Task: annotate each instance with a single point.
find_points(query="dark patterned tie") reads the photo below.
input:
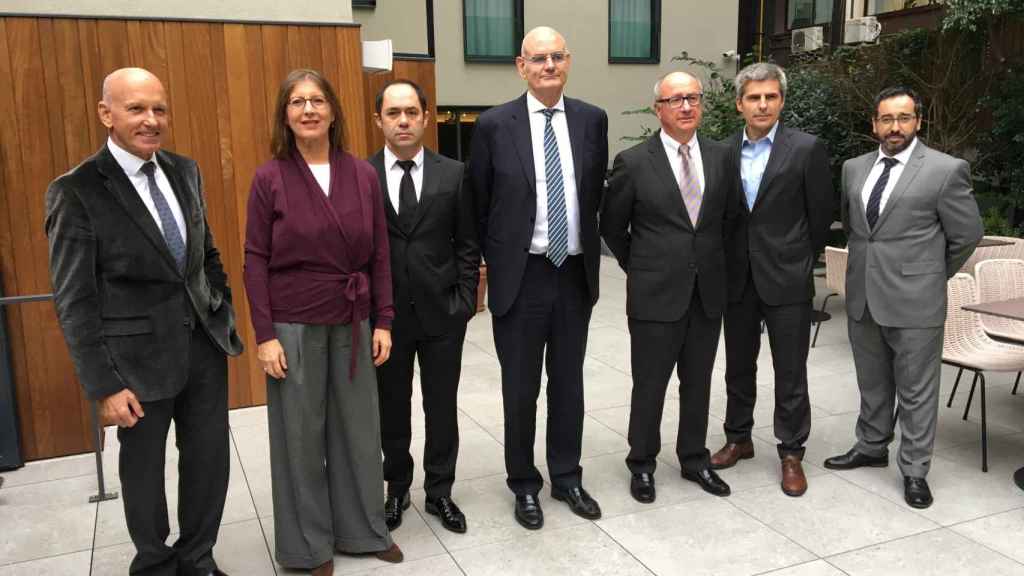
(876, 193)
(558, 225)
(172, 235)
(406, 195)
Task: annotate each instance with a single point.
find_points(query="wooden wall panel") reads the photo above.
(222, 81)
(419, 71)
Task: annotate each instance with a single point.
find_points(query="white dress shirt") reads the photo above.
(676, 162)
(539, 243)
(322, 174)
(894, 175)
(132, 166)
(395, 173)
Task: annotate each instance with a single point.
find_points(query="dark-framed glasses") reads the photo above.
(677, 101)
(903, 119)
(299, 102)
(541, 59)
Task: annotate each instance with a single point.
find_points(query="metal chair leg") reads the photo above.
(1015, 384)
(955, 384)
(970, 397)
(818, 327)
(984, 428)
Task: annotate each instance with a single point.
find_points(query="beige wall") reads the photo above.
(335, 11)
(704, 29)
(403, 21)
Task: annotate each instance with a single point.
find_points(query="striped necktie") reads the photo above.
(558, 225)
(875, 200)
(689, 185)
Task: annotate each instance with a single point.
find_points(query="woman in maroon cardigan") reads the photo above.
(317, 275)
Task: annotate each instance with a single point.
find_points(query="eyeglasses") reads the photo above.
(299, 103)
(903, 119)
(677, 101)
(541, 59)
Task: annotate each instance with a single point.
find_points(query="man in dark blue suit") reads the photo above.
(537, 170)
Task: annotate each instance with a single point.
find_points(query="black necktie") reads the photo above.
(876, 193)
(406, 195)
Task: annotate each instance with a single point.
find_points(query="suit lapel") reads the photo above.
(120, 186)
(519, 128)
(661, 167)
(906, 178)
(382, 176)
(431, 182)
(710, 176)
(857, 190)
(577, 132)
(779, 154)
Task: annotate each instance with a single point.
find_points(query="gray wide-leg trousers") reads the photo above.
(325, 454)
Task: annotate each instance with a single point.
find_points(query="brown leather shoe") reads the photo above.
(325, 569)
(732, 453)
(393, 554)
(794, 483)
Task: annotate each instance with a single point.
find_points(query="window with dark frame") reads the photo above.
(364, 3)
(492, 30)
(634, 31)
(804, 13)
(873, 7)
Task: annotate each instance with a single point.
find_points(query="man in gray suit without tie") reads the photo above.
(911, 222)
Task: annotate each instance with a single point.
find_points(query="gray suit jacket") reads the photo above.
(927, 230)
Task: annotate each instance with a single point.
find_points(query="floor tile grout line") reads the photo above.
(979, 542)
(882, 543)
(623, 547)
(773, 529)
(27, 560)
(252, 498)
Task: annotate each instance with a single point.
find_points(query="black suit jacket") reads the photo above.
(126, 311)
(501, 173)
(645, 224)
(436, 264)
(780, 238)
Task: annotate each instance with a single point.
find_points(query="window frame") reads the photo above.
(371, 4)
(655, 57)
(517, 31)
(789, 25)
(930, 4)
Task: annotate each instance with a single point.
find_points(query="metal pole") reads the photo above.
(102, 493)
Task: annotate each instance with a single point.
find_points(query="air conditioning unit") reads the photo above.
(807, 39)
(859, 30)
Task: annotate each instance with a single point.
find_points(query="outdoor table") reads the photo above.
(1014, 310)
(989, 242)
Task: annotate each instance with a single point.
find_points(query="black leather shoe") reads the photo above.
(528, 512)
(642, 487)
(854, 459)
(393, 507)
(451, 517)
(708, 480)
(579, 502)
(916, 492)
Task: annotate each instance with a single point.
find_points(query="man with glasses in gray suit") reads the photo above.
(911, 221)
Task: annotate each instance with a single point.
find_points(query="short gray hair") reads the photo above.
(759, 72)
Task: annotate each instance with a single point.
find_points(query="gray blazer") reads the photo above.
(927, 230)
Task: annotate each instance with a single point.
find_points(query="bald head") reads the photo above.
(677, 76)
(544, 63)
(134, 110)
(678, 104)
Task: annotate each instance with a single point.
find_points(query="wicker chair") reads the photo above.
(967, 347)
(835, 280)
(1001, 279)
(1015, 249)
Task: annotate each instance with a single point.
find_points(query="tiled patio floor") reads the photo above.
(848, 522)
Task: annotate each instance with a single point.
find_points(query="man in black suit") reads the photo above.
(537, 170)
(435, 268)
(671, 204)
(788, 194)
(144, 304)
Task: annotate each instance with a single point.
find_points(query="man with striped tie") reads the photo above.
(671, 208)
(536, 171)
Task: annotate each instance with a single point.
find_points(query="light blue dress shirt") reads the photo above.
(753, 159)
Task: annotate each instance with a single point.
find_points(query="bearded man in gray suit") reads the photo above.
(911, 221)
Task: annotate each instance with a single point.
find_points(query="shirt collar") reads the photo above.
(130, 163)
(903, 157)
(534, 105)
(770, 137)
(390, 158)
(674, 144)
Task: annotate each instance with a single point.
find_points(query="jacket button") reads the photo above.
(693, 266)
(526, 249)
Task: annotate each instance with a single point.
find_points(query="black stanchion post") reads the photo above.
(101, 493)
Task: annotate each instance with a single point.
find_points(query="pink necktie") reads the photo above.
(689, 186)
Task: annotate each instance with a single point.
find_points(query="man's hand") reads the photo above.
(122, 409)
(381, 346)
(271, 356)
